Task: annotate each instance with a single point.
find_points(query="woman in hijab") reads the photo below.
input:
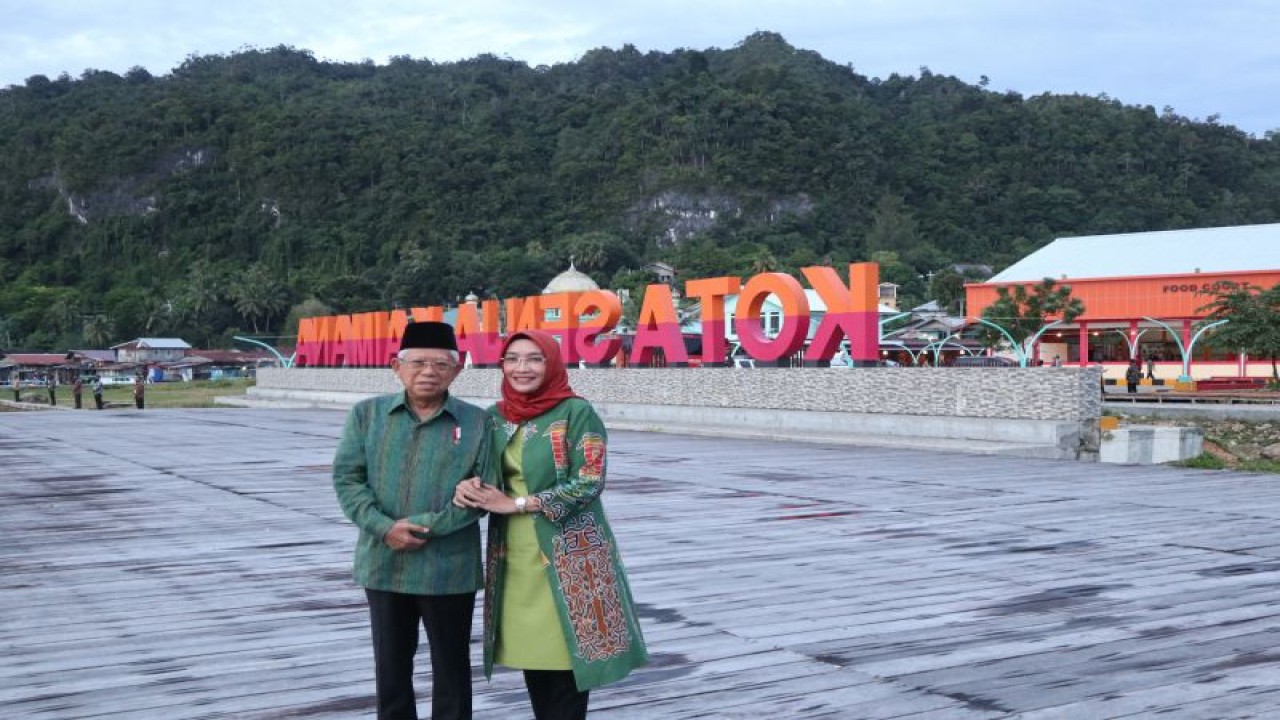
(557, 604)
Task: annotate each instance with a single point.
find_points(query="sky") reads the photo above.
(1201, 58)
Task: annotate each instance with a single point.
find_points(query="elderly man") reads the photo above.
(418, 555)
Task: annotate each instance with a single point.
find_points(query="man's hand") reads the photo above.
(401, 536)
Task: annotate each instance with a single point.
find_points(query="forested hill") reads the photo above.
(212, 200)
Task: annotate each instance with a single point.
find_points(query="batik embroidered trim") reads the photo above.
(556, 431)
(584, 565)
(592, 447)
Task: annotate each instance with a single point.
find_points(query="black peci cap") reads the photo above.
(437, 335)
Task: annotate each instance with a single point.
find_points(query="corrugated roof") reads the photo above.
(1241, 248)
(99, 355)
(232, 356)
(156, 344)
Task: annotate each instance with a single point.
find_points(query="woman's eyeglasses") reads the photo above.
(515, 361)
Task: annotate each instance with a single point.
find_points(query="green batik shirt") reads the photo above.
(391, 465)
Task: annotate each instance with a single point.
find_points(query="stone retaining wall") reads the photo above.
(886, 401)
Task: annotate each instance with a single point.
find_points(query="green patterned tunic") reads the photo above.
(389, 465)
(563, 464)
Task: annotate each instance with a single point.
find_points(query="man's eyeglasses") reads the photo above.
(440, 366)
(514, 361)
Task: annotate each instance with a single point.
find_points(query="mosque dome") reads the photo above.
(571, 280)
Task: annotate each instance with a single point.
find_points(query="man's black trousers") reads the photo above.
(394, 619)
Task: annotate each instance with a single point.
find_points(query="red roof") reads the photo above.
(42, 359)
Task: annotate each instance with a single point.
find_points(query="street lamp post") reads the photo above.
(1020, 350)
(1186, 351)
(284, 362)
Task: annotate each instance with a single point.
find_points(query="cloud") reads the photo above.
(1200, 58)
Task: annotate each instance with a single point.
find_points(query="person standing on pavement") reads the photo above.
(395, 471)
(139, 392)
(77, 391)
(97, 392)
(557, 602)
(1133, 375)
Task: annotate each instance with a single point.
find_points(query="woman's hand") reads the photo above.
(464, 495)
(472, 493)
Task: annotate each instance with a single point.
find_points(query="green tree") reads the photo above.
(172, 185)
(947, 287)
(310, 307)
(1253, 316)
(63, 313)
(99, 331)
(893, 228)
(762, 261)
(258, 295)
(1023, 313)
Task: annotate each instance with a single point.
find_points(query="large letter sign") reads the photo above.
(795, 316)
(658, 329)
(710, 293)
(585, 323)
(852, 312)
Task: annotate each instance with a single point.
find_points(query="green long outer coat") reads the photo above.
(564, 467)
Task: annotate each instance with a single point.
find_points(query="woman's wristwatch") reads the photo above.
(522, 505)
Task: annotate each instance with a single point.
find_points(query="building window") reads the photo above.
(772, 323)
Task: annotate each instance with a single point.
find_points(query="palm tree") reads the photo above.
(763, 261)
(98, 330)
(257, 294)
(63, 313)
(202, 292)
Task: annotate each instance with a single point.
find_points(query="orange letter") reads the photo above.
(711, 292)
(795, 316)
(658, 328)
(602, 310)
(565, 322)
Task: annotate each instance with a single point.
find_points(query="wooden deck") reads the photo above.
(193, 564)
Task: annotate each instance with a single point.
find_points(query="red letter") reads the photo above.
(795, 316)
(602, 310)
(658, 328)
(711, 292)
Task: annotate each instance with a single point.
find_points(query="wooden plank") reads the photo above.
(211, 578)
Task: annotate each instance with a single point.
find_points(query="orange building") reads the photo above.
(1144, 295)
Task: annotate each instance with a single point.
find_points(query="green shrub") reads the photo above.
(1266, 466)
(1203, 461)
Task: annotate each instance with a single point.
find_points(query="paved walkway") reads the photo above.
(193, 564)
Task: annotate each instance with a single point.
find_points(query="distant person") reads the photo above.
(77, 391)
(17, 388)
(1133, 375)
(395, 471)
(1057, 361)
(139, 392)
(52, 389)
(97, 392)
(1151, 368)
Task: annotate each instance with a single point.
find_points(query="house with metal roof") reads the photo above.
(1145, 295)
(151, 350)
